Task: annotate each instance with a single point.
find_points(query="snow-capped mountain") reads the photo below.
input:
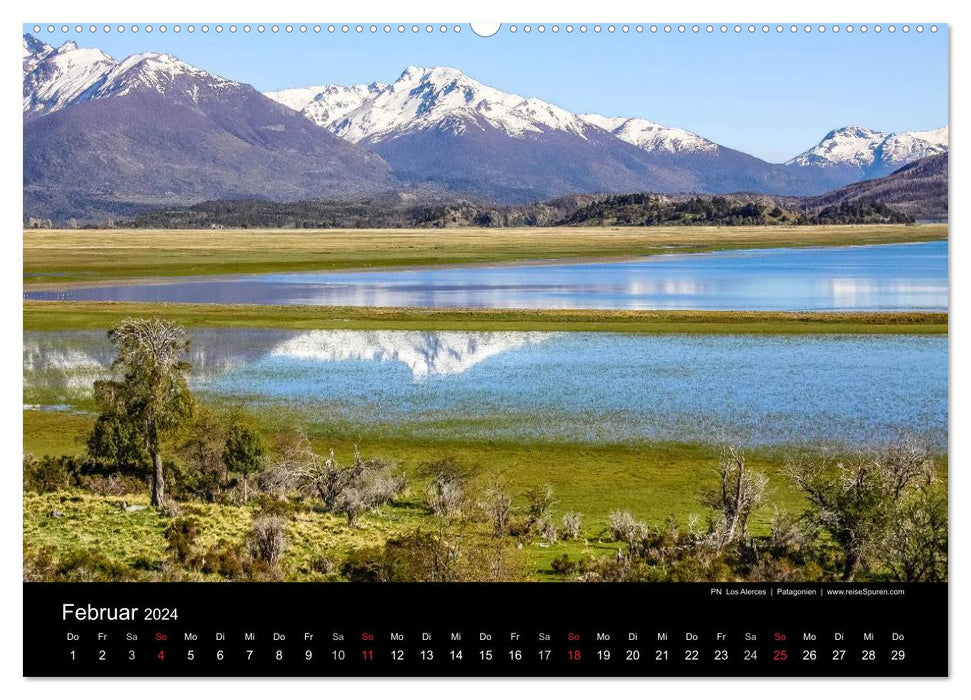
(872, 153)
(104, 136)
(423, 98)
(442, 126)
(651, 136)
(448, 101)
(438, 125)
(54, 78)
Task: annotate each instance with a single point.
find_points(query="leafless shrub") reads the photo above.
(365, 485)
(446, 492)
(323, 564)
(445, 498)
(539, 500)
(350, 489)
(277, 481)
(268, 539)
(547, 529)
(497, 506)
(283, 478)
(625, 528)
(572, 522)
(905, 461)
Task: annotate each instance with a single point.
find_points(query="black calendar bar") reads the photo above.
(556, 629)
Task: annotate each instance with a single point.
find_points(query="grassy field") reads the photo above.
(136, 540)
(57, 256)
(57, 315)
(652, 480)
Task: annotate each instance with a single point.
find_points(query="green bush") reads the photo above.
(181, 536)
(48, 474)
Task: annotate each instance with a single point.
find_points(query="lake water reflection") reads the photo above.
(564, 386)
(882, 277)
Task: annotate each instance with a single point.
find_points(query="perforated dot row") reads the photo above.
(723, 28)
(259, 28)
(513, 28)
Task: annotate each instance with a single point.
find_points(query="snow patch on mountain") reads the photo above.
(34, 50)
(335, 102)
(296, 98)
(651, 136)
(326, 104)
(158, 71)
(909, 146)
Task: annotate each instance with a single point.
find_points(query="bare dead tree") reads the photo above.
(446, 493)
(497, 506)
(904, 462)
(626, 528)
(739, 493)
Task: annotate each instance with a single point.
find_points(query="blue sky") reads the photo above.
(771, 95)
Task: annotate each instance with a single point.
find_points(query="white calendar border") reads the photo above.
(279, 11)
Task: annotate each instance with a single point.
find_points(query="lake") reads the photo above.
(857, 278)
(603, 387)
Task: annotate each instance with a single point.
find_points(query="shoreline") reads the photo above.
(411, 249)
(499, 264)
(190, 279)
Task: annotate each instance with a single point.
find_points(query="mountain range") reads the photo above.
(104, 137)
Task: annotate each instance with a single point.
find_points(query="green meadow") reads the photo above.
(64, 316)
(654, 481)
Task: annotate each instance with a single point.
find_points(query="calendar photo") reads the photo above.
(543, 304)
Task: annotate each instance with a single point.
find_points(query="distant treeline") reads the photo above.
(643, 209)
(654, 210)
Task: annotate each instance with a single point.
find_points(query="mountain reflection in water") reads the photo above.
(599, 387)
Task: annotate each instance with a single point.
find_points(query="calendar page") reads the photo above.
(538, 349)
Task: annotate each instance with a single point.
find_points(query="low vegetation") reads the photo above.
(66, 316)
(235, 508)
(881, 516)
